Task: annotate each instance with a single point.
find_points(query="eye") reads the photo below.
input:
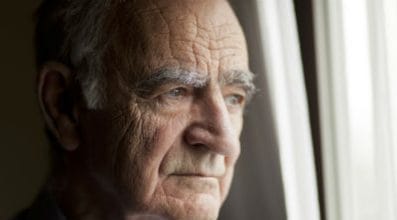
(176, 92)
(174, 98)
(174, 95)
(234, 100)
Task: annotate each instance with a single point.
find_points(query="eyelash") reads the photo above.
(174, 95)
(235, 100)
(177, 92)
(232, 100)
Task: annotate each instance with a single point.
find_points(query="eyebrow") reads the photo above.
(171, 76)
(185, 77)
(240, 77)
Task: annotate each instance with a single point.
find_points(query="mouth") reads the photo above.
(203, 184)
(196, 175)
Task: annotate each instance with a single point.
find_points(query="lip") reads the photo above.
(196, 183)
(197, 175)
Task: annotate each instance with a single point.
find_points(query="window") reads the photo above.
(356, 48)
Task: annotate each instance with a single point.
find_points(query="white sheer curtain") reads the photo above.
(285, 79)
(275, 178)
(357, 57)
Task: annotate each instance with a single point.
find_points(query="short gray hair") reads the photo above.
(73, 32)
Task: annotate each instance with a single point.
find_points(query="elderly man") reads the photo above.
(143, 103)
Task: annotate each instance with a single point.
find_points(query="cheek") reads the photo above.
(237, 123)
(226, 182)
(146, 158)
(128, 151)
(169, 138)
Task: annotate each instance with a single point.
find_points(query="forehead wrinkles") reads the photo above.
(186, 20)
(184, 33)
(198, 38)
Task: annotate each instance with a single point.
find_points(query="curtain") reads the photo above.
(356, 53)
(275, 177)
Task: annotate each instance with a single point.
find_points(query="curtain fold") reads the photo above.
(275, 177)
(284, 73)
(357, 53)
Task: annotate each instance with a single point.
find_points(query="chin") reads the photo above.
(192, 206)
(202, 208)
(197, 198)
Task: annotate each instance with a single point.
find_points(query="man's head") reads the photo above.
(145, 99)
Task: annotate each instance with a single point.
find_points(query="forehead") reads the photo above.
(203, 36)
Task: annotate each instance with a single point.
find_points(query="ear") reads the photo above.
(59, 104)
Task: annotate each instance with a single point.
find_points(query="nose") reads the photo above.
(212, 127)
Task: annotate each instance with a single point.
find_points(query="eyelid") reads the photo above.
(236, 95)
(172, 86)
(248, 89)
(170, 94)
(184, 90)
(239, 89)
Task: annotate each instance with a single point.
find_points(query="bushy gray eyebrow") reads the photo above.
(171, 76)
(245, 79)
(165, 76)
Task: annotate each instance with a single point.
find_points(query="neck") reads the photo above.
(83, 195)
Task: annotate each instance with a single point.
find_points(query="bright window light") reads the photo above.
(357, 57)
(289, 104)
(359, 107)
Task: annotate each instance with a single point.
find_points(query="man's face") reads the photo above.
(168, 138)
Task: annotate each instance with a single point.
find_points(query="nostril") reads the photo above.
(197, 145)
(196, 135)
(200, 147)
(201, 137)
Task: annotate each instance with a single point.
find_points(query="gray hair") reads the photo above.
(73, 32)
(78, 33)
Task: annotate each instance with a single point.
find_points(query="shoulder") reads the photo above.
(23, 215)
(43, 208)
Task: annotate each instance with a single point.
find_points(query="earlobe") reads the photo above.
(58, 104)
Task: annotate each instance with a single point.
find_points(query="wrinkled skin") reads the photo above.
(170, 152)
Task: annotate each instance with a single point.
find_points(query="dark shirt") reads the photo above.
(43, 208)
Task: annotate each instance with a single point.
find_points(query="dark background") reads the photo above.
(23, 154)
